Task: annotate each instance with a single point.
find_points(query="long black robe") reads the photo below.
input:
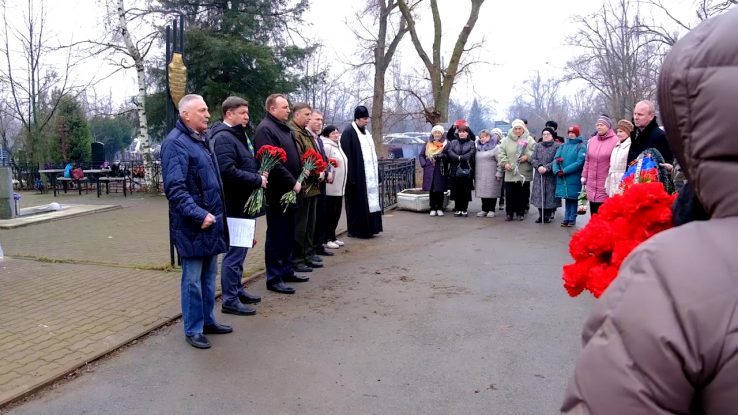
(361, 222)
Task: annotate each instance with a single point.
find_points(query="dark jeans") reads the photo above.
(231, 272)
(488, 204)
(570, 210)
(198, 293)
(516, 197)
(594, 207)
(333, 206)
(502, 197)
(436, 200)
(304, 230)
(280, 236)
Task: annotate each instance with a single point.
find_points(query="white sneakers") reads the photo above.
(433, 213)
(439, 212)
(481, 214)
(339, 243)
(436, 213)
(491, 214)
(332, 245)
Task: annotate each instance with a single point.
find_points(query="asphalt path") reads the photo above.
(435, 316)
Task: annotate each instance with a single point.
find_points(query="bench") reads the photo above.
(66, 181)
(107, 181)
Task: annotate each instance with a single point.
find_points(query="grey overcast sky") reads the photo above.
(521, 37)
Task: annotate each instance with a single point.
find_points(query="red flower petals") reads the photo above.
(623, 222)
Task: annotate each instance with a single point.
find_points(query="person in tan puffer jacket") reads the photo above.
(663, 339)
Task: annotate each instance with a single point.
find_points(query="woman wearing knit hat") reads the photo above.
(435, 169)
(515, 152)
(568, 170)
(619, 158)
(597, 162)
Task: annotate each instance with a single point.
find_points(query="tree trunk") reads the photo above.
(140, 100)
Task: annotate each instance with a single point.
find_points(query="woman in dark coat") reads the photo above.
(461, 160)
(435, 169)
(544, 181)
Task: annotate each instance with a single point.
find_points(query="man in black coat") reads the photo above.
(647, 133)
(239, 171)
(274, 131)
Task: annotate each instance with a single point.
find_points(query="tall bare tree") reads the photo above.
(381, 40)
(703, 10)
(619, 60)
(442, 77)
(29, 77)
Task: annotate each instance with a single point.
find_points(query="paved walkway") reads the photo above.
(75, 289)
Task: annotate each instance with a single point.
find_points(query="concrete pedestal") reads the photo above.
(7, 204)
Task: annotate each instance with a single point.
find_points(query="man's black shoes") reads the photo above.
(323, 252)
(302, 268)
(295, 278)
(217, 328)
(198, 341)
(312, 264)
(238, 309)
(247, 298)
(281, 288)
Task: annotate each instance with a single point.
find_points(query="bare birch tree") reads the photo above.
(442, 77)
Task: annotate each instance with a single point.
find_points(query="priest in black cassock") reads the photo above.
(363, 212)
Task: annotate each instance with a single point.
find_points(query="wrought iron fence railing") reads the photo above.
(395, 175)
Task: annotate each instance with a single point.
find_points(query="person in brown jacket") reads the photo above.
(663, 339)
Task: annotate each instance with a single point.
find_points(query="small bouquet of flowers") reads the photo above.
(622, 223)
(519, 151)
(268, 156)
(312, 164)
(333, 162)
(582, 202)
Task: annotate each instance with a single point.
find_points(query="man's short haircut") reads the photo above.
(272, 100)
(231, 103)
(650, 105)
(316, 111)
(301, 106)
(184, 103)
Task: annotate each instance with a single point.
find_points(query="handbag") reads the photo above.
(463, 172)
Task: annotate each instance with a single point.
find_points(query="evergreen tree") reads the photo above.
(116, 133)
(70, 136)
(242, 47)
(478, 117)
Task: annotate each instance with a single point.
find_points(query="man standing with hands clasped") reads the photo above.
(239, 171)
(196, 217)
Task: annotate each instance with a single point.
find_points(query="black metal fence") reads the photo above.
(395, 175)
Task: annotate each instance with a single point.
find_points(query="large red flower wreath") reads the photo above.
(622, 223)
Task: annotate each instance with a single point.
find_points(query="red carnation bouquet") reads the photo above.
(268, 156)
(333, 162)
(312, 164)
(621, 224)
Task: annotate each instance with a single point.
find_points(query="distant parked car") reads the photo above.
(403, 145)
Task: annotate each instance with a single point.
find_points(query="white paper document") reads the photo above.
(241, 232)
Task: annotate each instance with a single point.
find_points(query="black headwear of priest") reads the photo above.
(361, 112)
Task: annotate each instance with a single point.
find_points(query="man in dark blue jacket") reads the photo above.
(239, 171)
(274, 131)
(197, 222)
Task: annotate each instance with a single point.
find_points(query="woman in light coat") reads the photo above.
(597, 162)
(619, 158)
(337, 186)
(487, 172)
(515, 152)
